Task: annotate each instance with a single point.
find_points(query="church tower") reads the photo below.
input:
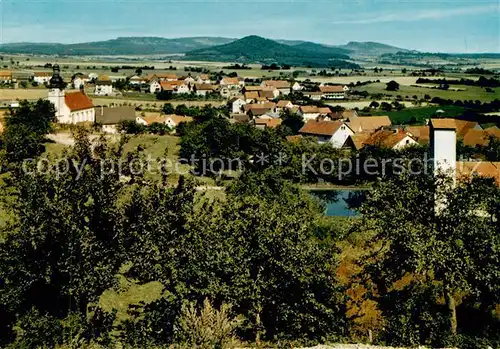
(56, 91)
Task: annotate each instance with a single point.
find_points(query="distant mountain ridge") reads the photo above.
(118, 46)
(256, 49)
(159, 45)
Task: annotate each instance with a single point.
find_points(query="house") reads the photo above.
(103, 88)
(155, 86)
(189, 80)
(266, 123)
(6, 76)
(203, 89)
(203, 79)
(284, 104)
(237, 105)
(162, 77)
(252, 89)
(174, 120)
(269, 93)
(79, 80)
(260, 109)
(181, 88)
(392, 139)
(296, 86)
(348, 113)
(251, 96)
(230, 83)
(137, 80)
(422, 134)
(311, 112)
(239, 118)
(334, 132)
(334, 92)
(315, 96)
(42, 77)
(109, 118)
(174, 86)
(148, 118)
(368, 123)
(71, 108)
(281, 85)
(443, 134)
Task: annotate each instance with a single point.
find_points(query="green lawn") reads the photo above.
(420, 114)
(469, 93)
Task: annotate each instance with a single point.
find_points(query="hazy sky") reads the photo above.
(430, 25)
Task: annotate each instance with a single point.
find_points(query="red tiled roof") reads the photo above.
(386, 138)
(323, 128)
(78, 101)
(482, 168)
(421, 133)
(277, 83)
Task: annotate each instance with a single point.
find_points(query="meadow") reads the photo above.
(465, 93)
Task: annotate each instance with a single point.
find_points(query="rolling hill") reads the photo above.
(370, 48)
(118, 46)
(255, 49)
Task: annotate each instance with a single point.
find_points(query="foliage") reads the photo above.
(423, 256)
(392, 86)
(25, 130)
(207, 328)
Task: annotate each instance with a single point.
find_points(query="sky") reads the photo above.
(424, 25)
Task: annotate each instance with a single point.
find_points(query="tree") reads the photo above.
(385, 106)
(374, 105)
(26, 128)
(63, 249)
(448, 250)
(293, 121)
(168, 108)
(138, 71)
(392, 86)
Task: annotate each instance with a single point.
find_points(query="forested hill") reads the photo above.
(118, 46)
(255, 49)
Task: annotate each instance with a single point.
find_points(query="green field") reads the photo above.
(469, 93)
(404, 116)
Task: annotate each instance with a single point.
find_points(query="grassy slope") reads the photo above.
(404, 116)
(469, 93)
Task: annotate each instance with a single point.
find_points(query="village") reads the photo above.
(261, 105)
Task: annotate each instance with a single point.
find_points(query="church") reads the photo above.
(71, 107)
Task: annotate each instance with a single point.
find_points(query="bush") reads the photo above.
(207, 328)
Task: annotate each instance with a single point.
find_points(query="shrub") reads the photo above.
(207, 328)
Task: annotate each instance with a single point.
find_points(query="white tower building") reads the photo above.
(444, 146)
(56, 91)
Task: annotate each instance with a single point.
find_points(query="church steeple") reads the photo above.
(56, 81)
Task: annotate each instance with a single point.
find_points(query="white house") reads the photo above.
(395, 139)
(203, 89)
(174, 120)
(80, 80)
(334, 132)
(183, 88)
(71, 108)
(283, 104)
(42, 77)
(154, 86)
(203, 79)
(189, 80)
(237, 105)
(103, 88)
(311, 112)
(231, 83)
(137, 80)
(281, 85)
(334, 92)
(296, 86)
(315, 96)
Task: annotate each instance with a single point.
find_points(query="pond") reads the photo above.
(340, 202)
